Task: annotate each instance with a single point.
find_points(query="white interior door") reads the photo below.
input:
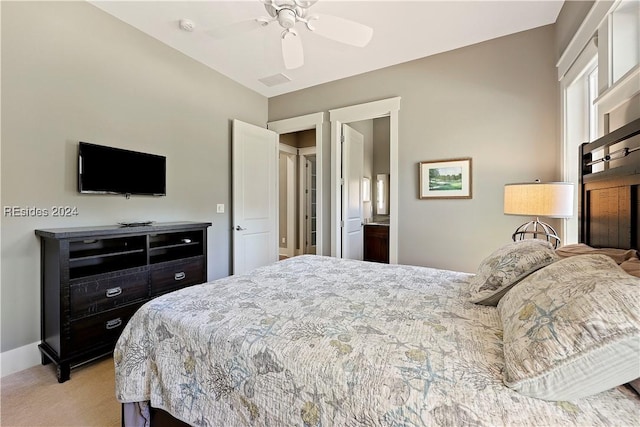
(352, 173)
(254, 196)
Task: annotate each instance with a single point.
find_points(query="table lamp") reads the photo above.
(539, 199)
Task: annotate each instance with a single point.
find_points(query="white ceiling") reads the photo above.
(403, 31)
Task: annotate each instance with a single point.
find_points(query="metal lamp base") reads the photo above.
(538, 230)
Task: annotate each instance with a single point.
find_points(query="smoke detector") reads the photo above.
(187, 25)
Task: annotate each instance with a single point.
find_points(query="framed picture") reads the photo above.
(445, 179)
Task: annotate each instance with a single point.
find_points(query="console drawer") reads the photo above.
(169, 276)
(106, 292)
(101, 329)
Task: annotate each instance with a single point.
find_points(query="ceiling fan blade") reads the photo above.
(292, 53)
(341, 30)
(305, 3)
(235, 29)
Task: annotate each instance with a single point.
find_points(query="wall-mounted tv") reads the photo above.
(109, 170)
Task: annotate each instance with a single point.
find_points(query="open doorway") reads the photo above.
(384, 108)
(365, 170)
(301, 144)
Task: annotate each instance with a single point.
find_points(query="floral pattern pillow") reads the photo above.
(505, 267)
(572, 329)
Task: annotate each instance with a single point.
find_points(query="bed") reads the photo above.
(321, 341)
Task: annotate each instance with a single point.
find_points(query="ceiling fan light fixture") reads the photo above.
(287, 18)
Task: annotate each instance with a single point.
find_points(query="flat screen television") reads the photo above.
(109, 170)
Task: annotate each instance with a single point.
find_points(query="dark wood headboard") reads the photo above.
(609, 201)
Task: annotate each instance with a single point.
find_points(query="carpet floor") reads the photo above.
(34, 397)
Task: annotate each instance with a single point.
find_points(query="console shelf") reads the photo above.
(105, 255)
(177, 245)
(95, 278)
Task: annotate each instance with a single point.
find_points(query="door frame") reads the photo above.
(303, 153)
(291, 153)
(389, 107)
(297, 124)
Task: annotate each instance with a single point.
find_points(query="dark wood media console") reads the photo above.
(93, 279)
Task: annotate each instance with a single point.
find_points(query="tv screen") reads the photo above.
(109, 170)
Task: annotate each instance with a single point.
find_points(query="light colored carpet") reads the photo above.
(34, 397)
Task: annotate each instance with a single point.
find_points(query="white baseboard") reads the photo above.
(19, 359)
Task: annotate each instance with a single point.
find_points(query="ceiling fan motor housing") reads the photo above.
(288, 12)
(287, 18)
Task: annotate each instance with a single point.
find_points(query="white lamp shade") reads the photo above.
(547, 199)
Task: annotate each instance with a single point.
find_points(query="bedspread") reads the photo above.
(320, 341)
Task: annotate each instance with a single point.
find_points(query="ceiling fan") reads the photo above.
(287, 13)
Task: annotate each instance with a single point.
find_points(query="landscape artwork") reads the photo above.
(445, 179)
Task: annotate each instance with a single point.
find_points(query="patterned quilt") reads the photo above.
(320, 341)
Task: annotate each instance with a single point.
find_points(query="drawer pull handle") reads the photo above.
(179, 276)
(113, 292)
(114, 323)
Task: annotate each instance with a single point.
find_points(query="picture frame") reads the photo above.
(446, 179)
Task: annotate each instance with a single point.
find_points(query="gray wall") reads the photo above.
(496, 102)
(381, 141)
(70, 72)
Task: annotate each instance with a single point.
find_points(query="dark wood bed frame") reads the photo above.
(609, 204)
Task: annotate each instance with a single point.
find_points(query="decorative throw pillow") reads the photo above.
(572, 329)
(618, 255)
(507, 266)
